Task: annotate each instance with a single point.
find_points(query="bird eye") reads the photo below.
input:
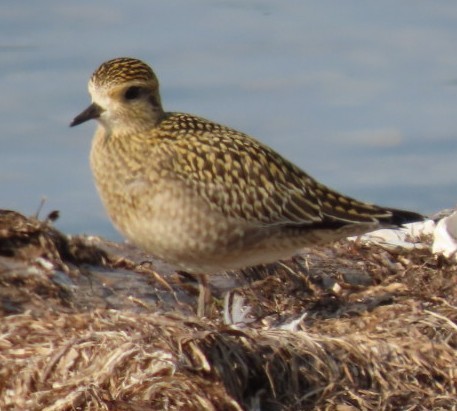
(132, 93)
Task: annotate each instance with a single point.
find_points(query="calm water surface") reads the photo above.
(362, 95)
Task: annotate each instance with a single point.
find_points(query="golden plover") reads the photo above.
(202, 196)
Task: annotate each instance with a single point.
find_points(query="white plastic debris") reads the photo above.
(445, 237)
(407, 237)
(293, 325)
(235, 311)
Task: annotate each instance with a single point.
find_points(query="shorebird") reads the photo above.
(202, 196)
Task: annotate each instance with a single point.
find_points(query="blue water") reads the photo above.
(362, 95)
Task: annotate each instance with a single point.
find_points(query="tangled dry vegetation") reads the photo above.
(89, 325)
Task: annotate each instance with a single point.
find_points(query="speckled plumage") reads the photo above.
(203, 196)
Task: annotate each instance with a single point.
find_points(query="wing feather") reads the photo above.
(247, 180)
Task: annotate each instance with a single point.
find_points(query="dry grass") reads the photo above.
(380, 331)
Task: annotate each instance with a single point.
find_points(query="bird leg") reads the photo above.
(204, 295)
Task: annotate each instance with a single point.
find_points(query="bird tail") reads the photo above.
(401, 217)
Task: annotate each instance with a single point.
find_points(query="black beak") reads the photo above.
(91, 112)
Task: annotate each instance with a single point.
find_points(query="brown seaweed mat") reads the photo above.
(92, 325)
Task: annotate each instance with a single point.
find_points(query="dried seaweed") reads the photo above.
(88, 326)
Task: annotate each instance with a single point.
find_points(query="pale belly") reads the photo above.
(180, 228)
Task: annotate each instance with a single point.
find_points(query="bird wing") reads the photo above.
(247, 180)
